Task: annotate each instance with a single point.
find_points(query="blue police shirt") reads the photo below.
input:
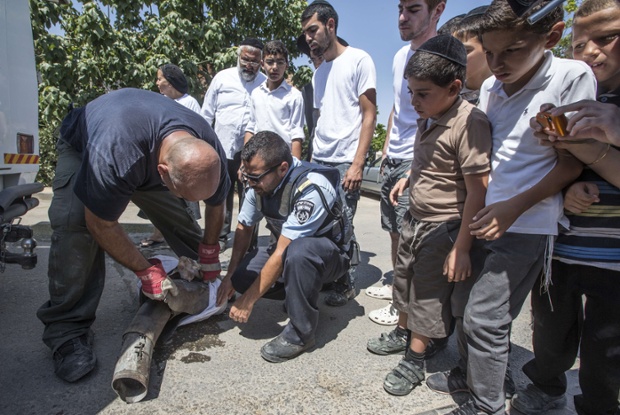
(308, 212)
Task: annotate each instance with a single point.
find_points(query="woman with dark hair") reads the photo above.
(172, 83)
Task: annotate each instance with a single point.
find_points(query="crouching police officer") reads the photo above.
(302, 208)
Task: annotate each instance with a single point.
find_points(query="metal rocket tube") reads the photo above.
(131, 374)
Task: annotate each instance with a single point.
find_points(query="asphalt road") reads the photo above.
(215, 366)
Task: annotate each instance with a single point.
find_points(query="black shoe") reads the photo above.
(509, 384)
(340, 295)
(468, 408)
(75, 358)
(455, 381)
(449, 382)
(279, 350)
(222, 245)
(434, 346)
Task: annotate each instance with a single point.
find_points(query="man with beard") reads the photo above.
(417, 22)
(345, 96)
(226, 107)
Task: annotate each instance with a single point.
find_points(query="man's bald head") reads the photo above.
(191, 166)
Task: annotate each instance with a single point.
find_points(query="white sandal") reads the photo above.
(383, 293)
(386, 316)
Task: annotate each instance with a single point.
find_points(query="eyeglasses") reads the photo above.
(257, 177)
(254, 65)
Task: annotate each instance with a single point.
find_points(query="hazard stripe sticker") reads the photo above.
(11, 158)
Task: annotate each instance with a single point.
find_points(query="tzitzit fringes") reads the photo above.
(546, 280)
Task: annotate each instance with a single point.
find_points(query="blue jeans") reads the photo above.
(392, 216)
(350, 199)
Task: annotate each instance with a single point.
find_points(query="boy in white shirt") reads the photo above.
(277, 106)
(523, 201)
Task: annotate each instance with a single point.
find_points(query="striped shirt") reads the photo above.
(594, 235)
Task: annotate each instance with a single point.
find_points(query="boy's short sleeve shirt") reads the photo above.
(280, 111)
(455, 145)
(404, 122)
(518, 160)
(338, 84)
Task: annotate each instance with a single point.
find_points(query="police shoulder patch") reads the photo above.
(303, 210)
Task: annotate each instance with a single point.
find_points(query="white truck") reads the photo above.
(19, 137)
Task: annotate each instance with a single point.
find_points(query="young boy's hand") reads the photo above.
(398, 190)
(493, 220)
(457, 266)
(580, 196)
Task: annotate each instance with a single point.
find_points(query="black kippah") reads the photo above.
(323, 2)
(478, 11)
(520, 6)
(250, 41)
(447, 47)
(174, 75)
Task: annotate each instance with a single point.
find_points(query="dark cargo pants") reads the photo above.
(308, 264)
(566, 327)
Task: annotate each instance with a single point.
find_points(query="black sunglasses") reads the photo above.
(257, 177)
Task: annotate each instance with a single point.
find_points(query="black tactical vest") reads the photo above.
(277, 207)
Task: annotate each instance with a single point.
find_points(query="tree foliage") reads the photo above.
(378, 140)
(111, 44)
(563, 48)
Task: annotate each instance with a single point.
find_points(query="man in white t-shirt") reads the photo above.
(345, 96)
(417, 22)
(226, 107)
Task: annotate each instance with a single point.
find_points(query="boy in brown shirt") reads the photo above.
(447, 181)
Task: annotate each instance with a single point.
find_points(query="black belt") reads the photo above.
(395, 162)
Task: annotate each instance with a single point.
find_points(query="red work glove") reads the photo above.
(155, 282)
(209, 259)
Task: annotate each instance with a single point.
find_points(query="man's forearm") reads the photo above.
(247, 136)
(214, 220)
(242, 239)
(112, 238)
(368, 129)
(368, 104)
(296, 146)
(270, 273)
